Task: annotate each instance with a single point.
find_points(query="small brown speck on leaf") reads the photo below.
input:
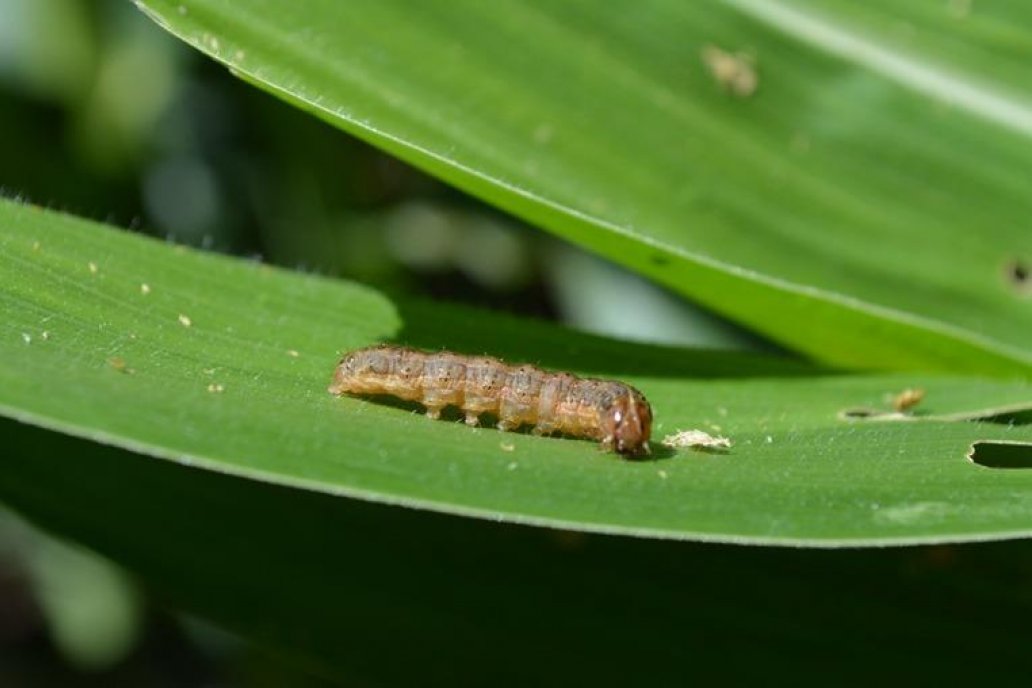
(734, 72)
(907, 399)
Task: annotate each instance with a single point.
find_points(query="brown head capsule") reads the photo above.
(615, 414)
(628, 421)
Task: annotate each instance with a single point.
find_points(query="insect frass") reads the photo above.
(614, 413)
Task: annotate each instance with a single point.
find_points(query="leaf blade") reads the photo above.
(864, 213)
(226, 394)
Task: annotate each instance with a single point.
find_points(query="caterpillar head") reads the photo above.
(627, 424)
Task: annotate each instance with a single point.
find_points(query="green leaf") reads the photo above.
(864, 205)
(346, 587)
(223, 364)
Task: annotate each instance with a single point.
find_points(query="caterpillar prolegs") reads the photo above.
(615, 414)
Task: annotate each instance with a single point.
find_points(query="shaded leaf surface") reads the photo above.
(348, 587)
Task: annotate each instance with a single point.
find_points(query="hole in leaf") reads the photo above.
(873, 414)
(901, 407)
(1001, 454)
(1019, 276)
(660, 259)
(859, 413)
(1016, 417)
(904, 402)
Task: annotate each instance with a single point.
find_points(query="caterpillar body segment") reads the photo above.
(614, 413)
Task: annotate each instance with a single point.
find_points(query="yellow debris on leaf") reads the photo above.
(696, 439)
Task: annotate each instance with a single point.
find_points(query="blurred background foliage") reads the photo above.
(150, 135)
(106, 116)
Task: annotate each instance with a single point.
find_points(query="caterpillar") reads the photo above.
(615, 414)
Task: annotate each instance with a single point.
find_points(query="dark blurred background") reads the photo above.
(105, 116)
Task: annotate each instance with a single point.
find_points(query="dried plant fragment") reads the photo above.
(695, 439)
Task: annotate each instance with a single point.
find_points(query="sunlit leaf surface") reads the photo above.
(223, 364)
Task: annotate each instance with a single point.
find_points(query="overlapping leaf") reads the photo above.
(863, 201)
